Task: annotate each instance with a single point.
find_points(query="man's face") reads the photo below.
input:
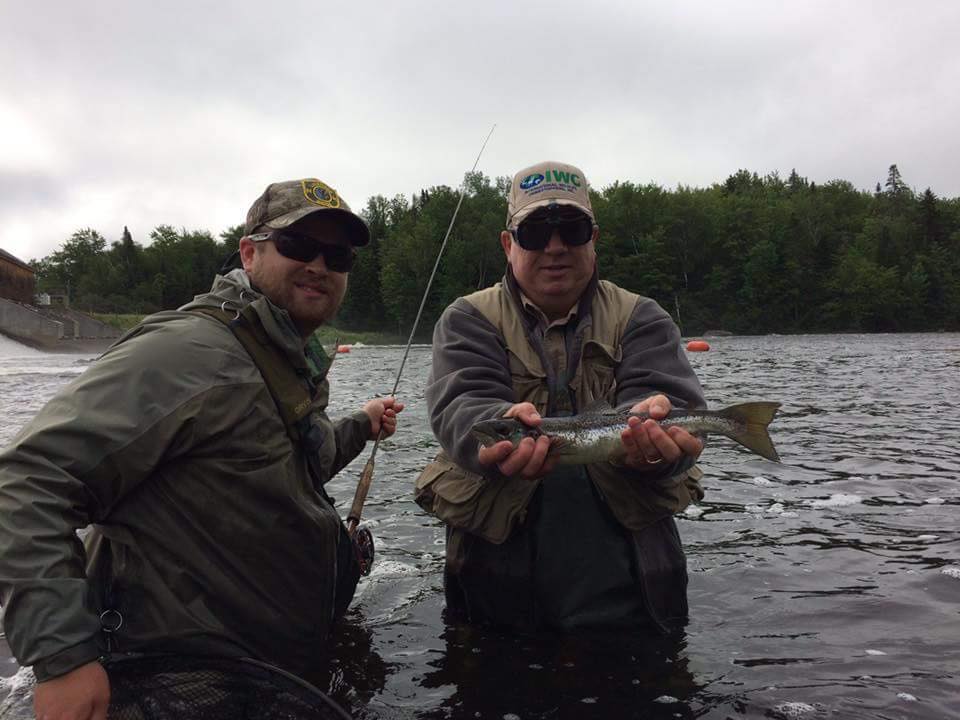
(309, 291)
(555, 277)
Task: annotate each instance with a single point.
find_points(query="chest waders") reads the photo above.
(295, 405)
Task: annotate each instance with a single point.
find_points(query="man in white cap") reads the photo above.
(584, 546)
(198, 447)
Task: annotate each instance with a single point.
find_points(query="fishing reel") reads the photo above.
(364, 549)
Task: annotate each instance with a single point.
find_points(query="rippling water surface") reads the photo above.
(827, 586)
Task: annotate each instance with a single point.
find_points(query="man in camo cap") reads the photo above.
(198, 447)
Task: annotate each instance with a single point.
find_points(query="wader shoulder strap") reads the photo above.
(285, 385)
(295, 405)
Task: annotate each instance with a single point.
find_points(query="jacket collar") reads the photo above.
(584, 304)
(234, 292)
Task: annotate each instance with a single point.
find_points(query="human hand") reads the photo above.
(81, 694)
(529, 458)
(383, 416)
(647, 444)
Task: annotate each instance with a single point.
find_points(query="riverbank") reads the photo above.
(328, 334)
(67, 346)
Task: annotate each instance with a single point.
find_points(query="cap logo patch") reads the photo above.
(531, 181)
(320, 193)
(551, 181)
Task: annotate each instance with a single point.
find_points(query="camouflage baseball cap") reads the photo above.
(283, 203)
(545, 184)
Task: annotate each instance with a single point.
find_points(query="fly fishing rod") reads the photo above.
(366, 478)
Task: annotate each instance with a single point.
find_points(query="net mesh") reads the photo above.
(175, 688)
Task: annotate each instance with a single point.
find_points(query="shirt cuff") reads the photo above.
(66, 660)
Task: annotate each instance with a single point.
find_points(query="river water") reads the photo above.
(826, 586)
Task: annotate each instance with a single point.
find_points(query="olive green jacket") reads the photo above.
(488, 354)
(209, 533)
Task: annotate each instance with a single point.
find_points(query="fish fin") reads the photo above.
(597, 407)
(754, 417)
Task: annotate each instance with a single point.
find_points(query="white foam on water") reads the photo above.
(836, 500)
(952, 571)
(934, 501)
(762, 481)
(928, 538)
(11, 348)
(383, 570)
(693, 511)
(588, 700)
(907, 696)
(793, 710)
(391, 568)
(774, 508)
(875, 652)
(511, 716)
(52, 370)
(23, 678)
(17, 692)
(666, 699)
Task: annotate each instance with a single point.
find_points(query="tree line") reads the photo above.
(750, 255)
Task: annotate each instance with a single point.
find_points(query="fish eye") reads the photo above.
(502, 428)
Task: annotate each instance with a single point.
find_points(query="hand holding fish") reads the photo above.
(528, 458)
(647, 443)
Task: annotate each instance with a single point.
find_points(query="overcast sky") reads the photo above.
(120, 112)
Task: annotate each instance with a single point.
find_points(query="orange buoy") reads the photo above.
(343, 348)
(698, 346)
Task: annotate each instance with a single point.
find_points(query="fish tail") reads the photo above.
(754, 417)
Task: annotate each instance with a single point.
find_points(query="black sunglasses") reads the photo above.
(535, 233)
(304, 248)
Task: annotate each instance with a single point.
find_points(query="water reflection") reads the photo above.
(354, 672)
(494, 674)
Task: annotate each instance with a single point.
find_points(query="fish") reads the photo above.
(594, 435)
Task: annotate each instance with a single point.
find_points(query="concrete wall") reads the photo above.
(84, 326)
(24, 323)
(70, 329)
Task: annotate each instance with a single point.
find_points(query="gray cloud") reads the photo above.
(125, 113)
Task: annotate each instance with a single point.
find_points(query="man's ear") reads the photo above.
(505, 240)
(248, 248)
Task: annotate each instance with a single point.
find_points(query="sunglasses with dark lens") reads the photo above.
(535, 233)
(304, 248)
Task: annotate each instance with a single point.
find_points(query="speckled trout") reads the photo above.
(594, 435)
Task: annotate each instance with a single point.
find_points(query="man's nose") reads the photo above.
(318, 264)
(556, 243)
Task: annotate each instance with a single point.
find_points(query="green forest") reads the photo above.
(751, 255)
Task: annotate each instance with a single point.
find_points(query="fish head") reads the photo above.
(490, 432)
